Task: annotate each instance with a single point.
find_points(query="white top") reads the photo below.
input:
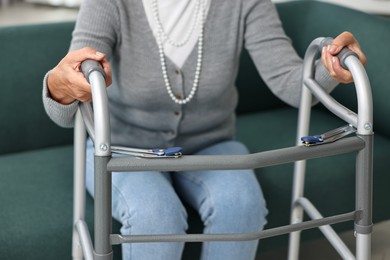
(178, 18)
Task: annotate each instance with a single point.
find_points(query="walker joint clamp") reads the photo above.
(329, 136)
(171, 152)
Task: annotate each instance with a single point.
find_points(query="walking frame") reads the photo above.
(97, 125)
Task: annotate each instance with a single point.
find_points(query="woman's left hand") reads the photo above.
(332, 63)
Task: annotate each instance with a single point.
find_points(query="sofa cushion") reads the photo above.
(36, 200)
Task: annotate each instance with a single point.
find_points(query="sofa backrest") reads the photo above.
(27, 53)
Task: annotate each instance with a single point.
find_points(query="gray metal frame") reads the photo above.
(83, 248)
(363, 121)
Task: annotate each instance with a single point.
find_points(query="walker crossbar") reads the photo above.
(330, 103)
(224, 162)
(119, 239)
(96, 122)
(329, 233)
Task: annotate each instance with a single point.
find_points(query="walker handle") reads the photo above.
(88, 66)
(100, 117)
(342, 55)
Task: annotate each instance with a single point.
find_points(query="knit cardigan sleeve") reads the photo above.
(273, 54)
(97, 27)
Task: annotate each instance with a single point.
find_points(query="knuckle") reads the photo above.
(348, 79)
(80, 95)
(333, 74)
(74, 83)
(347, 33)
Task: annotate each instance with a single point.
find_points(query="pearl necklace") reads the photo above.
(160, 26)
(161, 36)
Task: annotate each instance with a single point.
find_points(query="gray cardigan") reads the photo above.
(142, 113)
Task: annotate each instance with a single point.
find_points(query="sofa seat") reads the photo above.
(36, 203)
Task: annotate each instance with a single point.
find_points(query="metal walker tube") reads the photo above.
(94, 73)
(78, 184)
(300, 166)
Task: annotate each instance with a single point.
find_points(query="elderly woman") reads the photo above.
(172, 65)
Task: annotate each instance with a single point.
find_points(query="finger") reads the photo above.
(88, 53)
(66, 88)
(334, 68)
(107, 70)
(66, 83)
(346, 39)
(83, 96)
(327, 61)
(323, 58)
(76, 57)
(339, 73)
(73, 83)
(359, 52)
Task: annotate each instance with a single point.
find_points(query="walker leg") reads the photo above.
(296, 209)
(103, 211)
(364, 179)
(300, 166)
(363, 246)
(78, 183)
(294, 243)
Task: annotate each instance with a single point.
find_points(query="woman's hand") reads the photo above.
(332, 63)
(66, 83)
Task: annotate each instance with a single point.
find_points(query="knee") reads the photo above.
(249, 208)
(246, 211)
(154, 216)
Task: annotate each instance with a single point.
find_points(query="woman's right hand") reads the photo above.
(66, 83)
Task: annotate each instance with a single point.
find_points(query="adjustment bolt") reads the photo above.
(367, 126)
(103, 147)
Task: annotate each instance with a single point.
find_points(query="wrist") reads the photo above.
(55, 94)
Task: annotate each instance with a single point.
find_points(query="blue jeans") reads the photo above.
(151, 203)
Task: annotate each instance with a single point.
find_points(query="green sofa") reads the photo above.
(36, 155)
